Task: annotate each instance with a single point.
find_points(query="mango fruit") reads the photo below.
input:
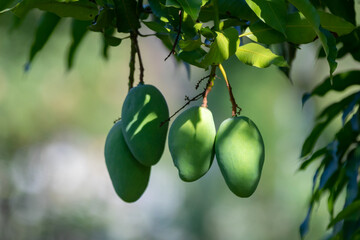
(191, 142)
(128, 176)
(240, 153)
(143, 111)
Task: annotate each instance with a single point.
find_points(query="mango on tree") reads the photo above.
(128, 176)
(143, 112)
(191, 142)
(240, 153)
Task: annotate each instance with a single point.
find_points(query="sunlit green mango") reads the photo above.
(240, 153)
(191, 142)
(142, 113)
(128, 176)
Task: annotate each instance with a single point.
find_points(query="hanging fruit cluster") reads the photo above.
(137, 141)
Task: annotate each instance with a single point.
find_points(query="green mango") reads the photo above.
(128, 176)
(142, 113)
(191, 142)
(240, 153)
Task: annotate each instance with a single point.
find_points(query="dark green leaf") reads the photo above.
(207, 32)
(352, 172)
(314, 156)
(335, 24)
(104, 21)
(156, 27)
(193, 57)
(78, 9)
(342, 8)
(191, 7)
(326, 39)
(78, 31)
(223, 47)
(5, 3)
(352, 211)
(339, 83)
(47, 24)
(331, 166)
(190, 45)
(304, 227)
(236, 9)
(258, 56)
(108, 32)
(126, 15)
(112, 41)
(271, 12)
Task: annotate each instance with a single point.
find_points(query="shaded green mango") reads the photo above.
(240, 153)
(128, 176)
(191, 142)
(142, 113)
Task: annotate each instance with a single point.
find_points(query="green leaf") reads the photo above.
(78, 31)
(5, 3)
(156, 27)
(112, 41)
(339, 83)
(236, 9)
(335, 24)
(260, 32)
(191, 7)
(193, 57)
(342, 8)
(47, 25)
(330, 113)
(314, 156)
(78, 9)
(107, 33)
(190, 45)
(126, 15)
(104, 20)
(207, 32)
(223, 47)
(172, 3)
(271, 12)
(350, 212)
(258, 56)
(326, 39)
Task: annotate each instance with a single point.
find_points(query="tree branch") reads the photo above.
(177, 36)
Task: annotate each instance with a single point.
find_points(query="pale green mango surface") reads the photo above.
(240, 153)
(142, 113)
(191, 142)
(128, 176)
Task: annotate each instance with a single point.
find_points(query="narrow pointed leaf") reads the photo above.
(335, 24)
(78, 31)
(46, 27)
(352, 211)
(271, 12)
(258, 56)
(339, 83)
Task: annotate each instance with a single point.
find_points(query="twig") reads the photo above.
(177, 36)
(132, 62)
(236, 110)
(209, 85)
(202, 79)
(197, 97)
(140, 59)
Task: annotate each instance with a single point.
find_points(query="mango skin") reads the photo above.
(191, 142)
(240, 153)
(128, 176)
(143, 111)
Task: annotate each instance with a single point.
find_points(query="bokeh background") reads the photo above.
(53, 124)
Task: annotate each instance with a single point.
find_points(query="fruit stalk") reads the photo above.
(132, 62)
(134, 39)
(209, 85)
(235, 107)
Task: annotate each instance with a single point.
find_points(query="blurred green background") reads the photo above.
(53, 124)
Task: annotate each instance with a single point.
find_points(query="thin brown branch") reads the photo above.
(197, 97)
(202, 79)
(177, 36)
(236, 110)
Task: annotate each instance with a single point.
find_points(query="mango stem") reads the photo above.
(236, 110)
